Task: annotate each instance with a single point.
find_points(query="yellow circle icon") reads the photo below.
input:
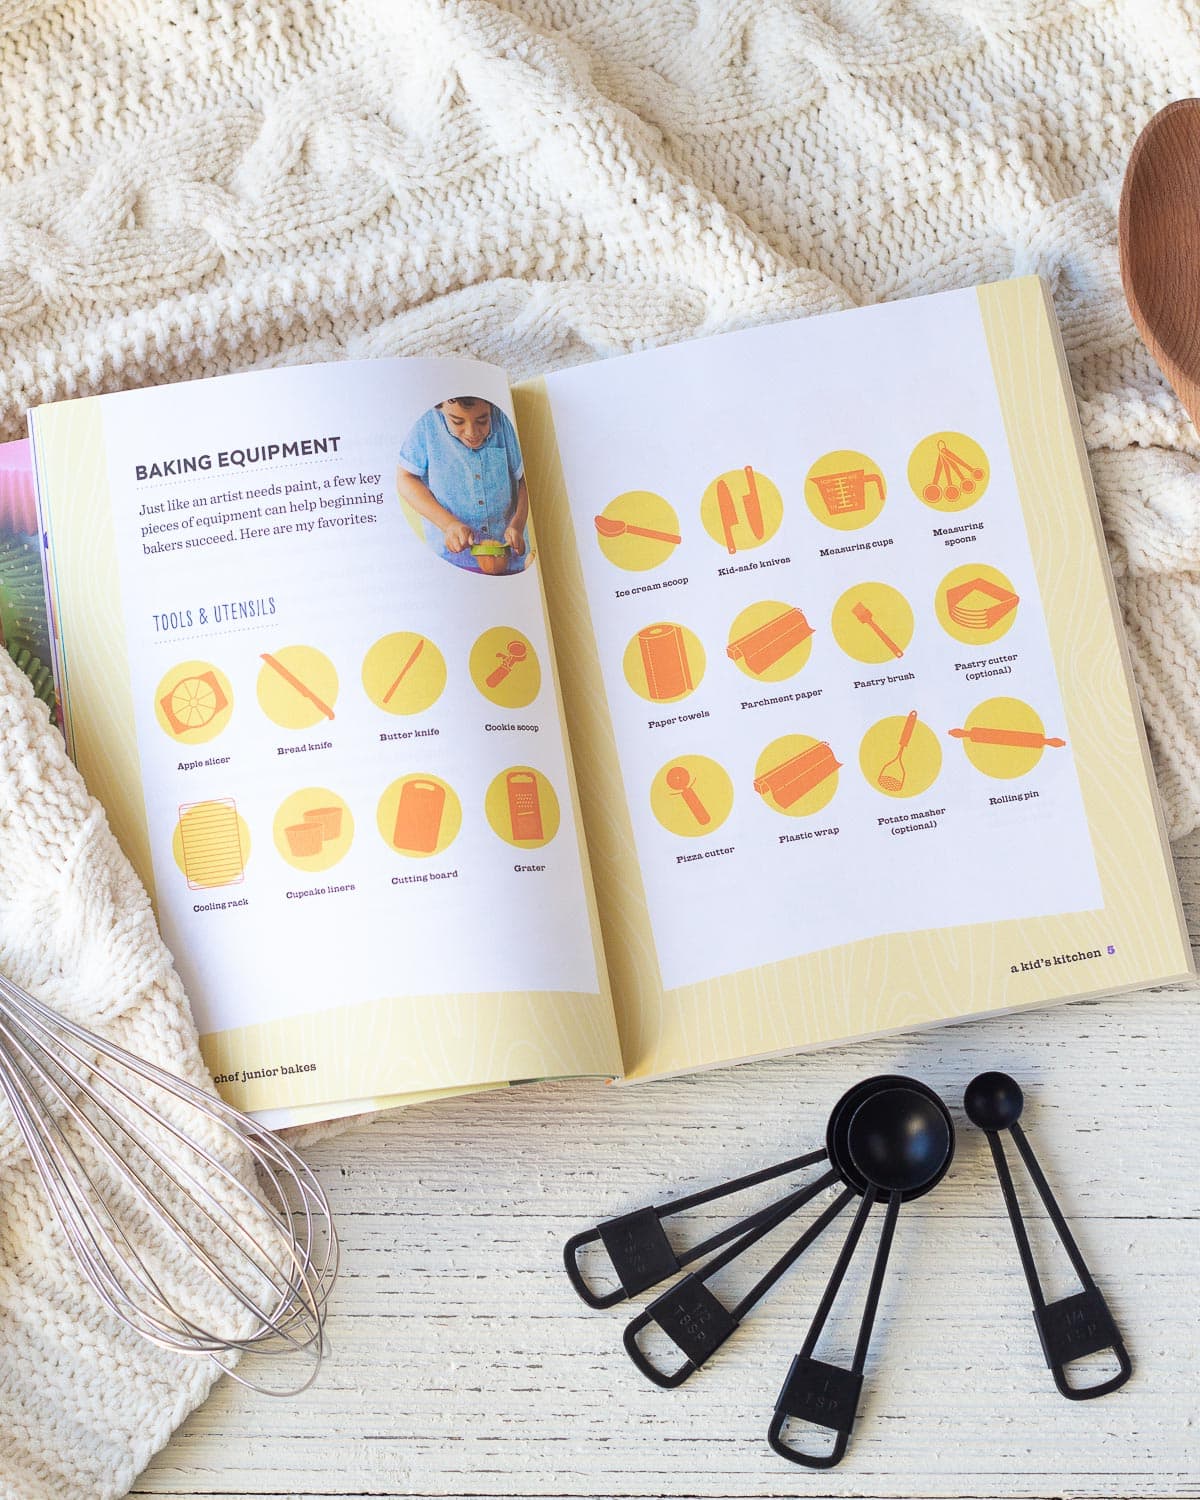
(313, 829)
(948, 471)
(638, 530)
(297, 686)
(521, 807)
(691, 796)
(976, 604)
(193, 702)
(419, 816)
(872, 623)
(797, 775)
(900, 756)
(845, 489)
(741, 509)
(404, 673)
(770, 641)
(211, 843)
(1005, 738)
(504, 667)
(663, 662)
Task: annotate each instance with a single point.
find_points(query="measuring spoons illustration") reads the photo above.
(1072, 1327)
(515, 655)
(681, 781)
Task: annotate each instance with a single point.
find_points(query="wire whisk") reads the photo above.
(198, 1228)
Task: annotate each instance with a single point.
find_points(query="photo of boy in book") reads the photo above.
(461, 471)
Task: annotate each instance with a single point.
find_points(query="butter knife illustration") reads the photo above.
(400, 675)
(754, 516)
(728, 513)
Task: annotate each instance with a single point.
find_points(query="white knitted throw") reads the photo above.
(190, 187)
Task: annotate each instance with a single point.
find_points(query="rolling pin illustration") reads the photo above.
(1023, 739)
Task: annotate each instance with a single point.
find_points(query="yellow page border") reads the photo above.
(908, 980)
(374, 1049)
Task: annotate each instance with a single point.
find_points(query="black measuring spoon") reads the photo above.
(1072, 1327)
(892, 1138)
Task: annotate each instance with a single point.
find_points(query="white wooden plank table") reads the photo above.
(464, 1365)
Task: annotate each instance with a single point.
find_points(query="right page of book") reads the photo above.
(862, 749)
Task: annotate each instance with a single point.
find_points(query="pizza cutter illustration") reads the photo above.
(683, 784)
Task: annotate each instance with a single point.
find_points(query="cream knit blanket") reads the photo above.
(194, 186)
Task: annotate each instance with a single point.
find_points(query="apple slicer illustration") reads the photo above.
(787, 782)
(952, 476)
(760, 649)
(210, 845)
(193, 702)
(864, 616)
(891, 777)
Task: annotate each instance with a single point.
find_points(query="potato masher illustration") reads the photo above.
(891, 776)
(193, 702)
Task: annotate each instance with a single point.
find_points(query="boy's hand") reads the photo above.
(515, 538)
(458, 537)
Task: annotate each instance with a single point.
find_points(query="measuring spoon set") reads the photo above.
(889, 1140)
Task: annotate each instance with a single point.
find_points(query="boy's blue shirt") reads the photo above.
(476, 485)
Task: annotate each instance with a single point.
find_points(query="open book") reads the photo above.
(751, 694)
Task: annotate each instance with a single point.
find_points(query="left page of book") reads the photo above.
(305, 665)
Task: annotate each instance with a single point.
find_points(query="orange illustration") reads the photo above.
(210, 847)
(664, 657)
(1022, 739)
(952, 477)
(193, 702)
(683, 783)
(787, 782)
(294, 682)
(863, 614)
(845, 493)
(762, 648)
(524, 807)
(513, 657)
(891, 777)
(979, 604)
(419, 816)
(403, 672)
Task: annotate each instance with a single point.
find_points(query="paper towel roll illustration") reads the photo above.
(664, 656)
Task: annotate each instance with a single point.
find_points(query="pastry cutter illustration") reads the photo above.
(293, 681)
(753, 505)
(865, 617)
(1074, 1327)
(1018, 738)
(610, 526)
(891, 777)
(403, 672)
(728, 513)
